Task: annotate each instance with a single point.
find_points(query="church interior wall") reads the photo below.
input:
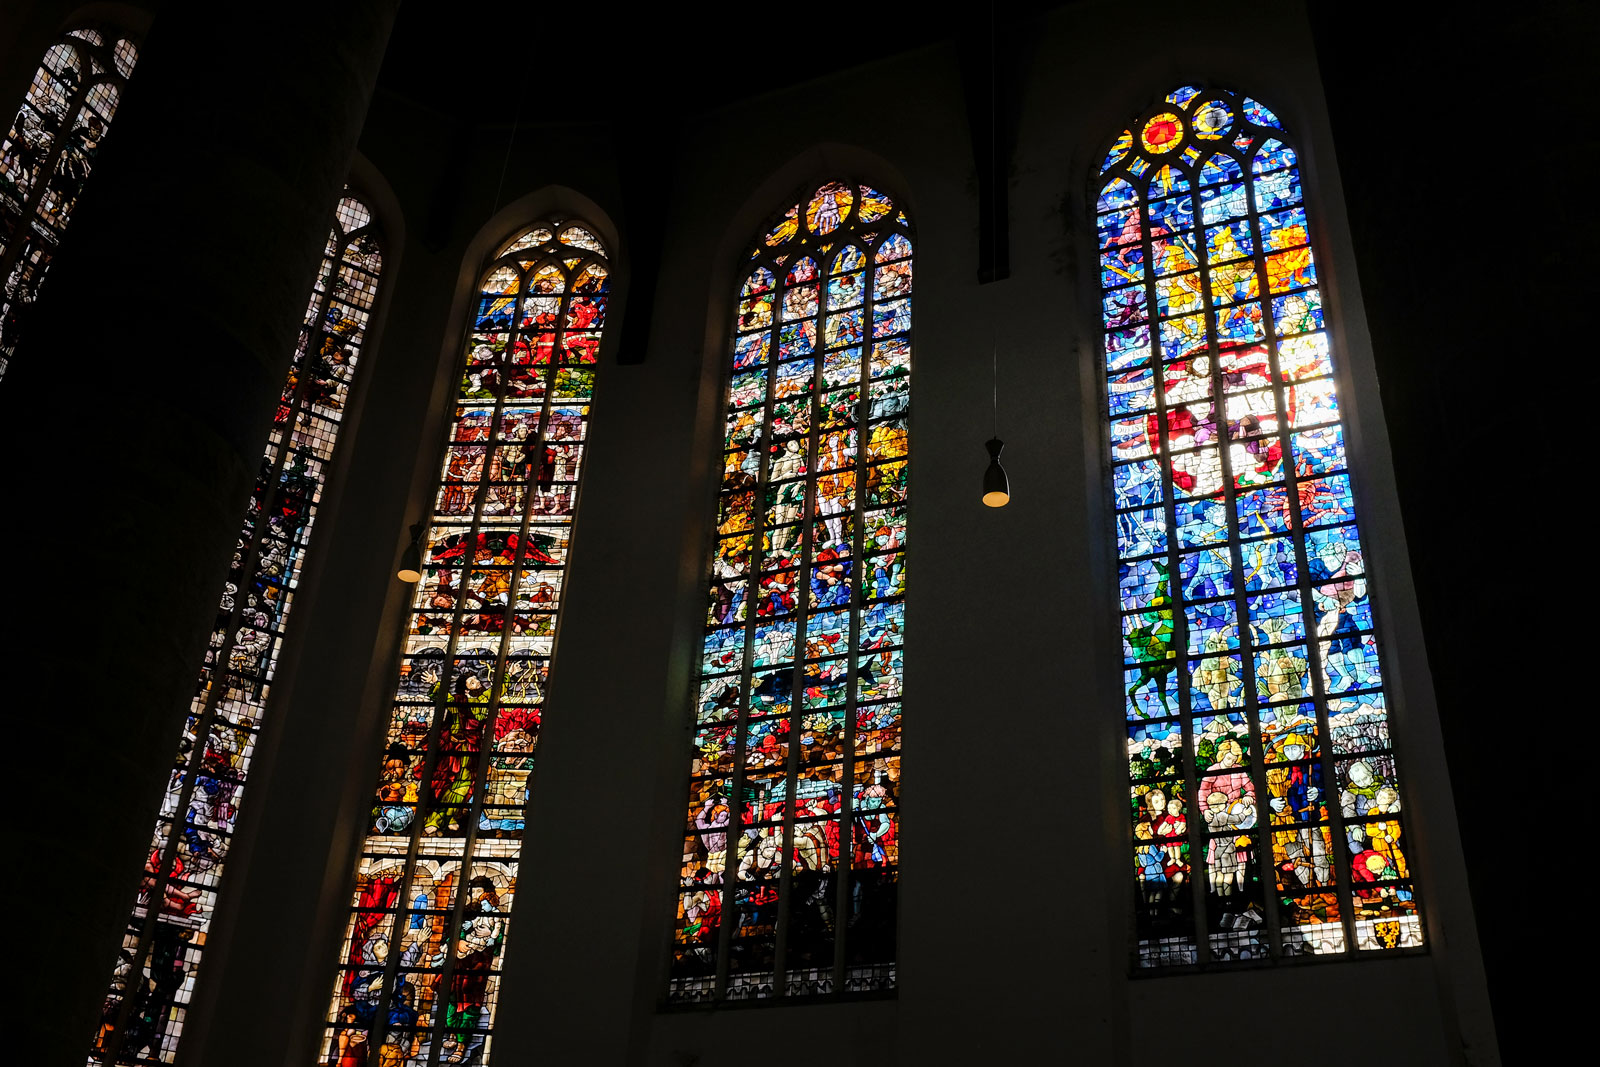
(1015, 913)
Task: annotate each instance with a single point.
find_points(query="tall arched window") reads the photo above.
(165, 941)
(46, 157)
(420, 964)
(790, 859)
(1264, 792)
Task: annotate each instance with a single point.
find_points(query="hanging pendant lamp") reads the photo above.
(410, 570)
(996, 486)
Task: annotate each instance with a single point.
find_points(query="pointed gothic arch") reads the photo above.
(164, 945)
(48, 153)
(1264, 795)
(419, 966)
(798, 712)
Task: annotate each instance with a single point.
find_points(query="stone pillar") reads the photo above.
(132, 422)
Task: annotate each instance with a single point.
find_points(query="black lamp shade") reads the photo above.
(410, 570)
(996, 486)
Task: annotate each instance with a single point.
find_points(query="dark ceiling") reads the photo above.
(559, 64)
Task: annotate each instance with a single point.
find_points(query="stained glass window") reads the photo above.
(1264, 795)
(47, 155)
(166, 936)
(791, 851)
(420, 964)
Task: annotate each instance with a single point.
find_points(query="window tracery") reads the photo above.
(790, 860)
(46, 157)
(165, 940)
(1264, 795)
(419, 970)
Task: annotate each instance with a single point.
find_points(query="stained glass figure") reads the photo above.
(790, 861)
(419, 970)
(47, 156)
(1263, 791)
(165, 941)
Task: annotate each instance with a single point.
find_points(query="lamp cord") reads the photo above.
(994, 201)
(506, 159)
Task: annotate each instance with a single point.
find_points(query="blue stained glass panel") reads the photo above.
(1270, 607)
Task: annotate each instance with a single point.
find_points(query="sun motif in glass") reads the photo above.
(1161, 133)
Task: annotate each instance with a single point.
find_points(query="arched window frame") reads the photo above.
(47, 156)
(1350, 727)
(232, 699)
(498, 365)
(704, 966)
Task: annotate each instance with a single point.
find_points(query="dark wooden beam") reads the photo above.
(986, 84)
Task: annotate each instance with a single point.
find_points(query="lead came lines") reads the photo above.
(164, 944)
(48, 155)
(1268, 403)
(429, 925)
(793, 915)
